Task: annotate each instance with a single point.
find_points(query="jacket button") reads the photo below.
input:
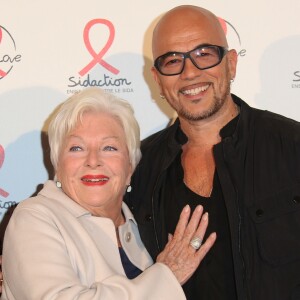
(128, 237)
(260, 213)
(148, 218)
(296, 199)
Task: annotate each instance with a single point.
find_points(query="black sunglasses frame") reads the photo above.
(221, 50)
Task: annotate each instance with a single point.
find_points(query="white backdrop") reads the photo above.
(51, 49)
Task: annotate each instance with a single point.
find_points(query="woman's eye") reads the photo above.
(75, 148)
(110, 148)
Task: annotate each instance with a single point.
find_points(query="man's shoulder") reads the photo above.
(266, 120)
(274, 122)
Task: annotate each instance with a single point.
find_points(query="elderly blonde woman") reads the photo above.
(77, 239)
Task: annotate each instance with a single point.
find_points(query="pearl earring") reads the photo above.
(129, 188)
(162, 96)
(58, 184)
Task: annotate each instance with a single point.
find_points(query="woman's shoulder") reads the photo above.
(50, 201)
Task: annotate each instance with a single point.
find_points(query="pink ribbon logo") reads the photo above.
(97, 58)
(223, 24)
(2, 73)
(2, 155)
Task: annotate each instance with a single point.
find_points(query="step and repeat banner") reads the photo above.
(50, 50)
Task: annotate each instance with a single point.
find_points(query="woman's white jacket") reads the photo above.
(55, 249)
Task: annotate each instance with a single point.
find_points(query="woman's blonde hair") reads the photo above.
(70, 112)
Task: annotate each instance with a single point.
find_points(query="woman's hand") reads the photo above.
(179, 255)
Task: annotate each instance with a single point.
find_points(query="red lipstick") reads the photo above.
(94, 180)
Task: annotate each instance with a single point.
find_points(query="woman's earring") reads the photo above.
(232, 80)
(162, 96)
(129, 188)
(58, 184)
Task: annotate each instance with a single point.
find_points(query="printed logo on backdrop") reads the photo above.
(22, 170)
(296, 80)
(3, 193)
(233, 37)
(109, 78)
(8, 53)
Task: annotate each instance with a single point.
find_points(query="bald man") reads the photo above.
(240, 163)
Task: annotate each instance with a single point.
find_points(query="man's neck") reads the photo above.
(206, 132)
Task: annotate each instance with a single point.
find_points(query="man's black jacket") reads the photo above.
(259, 169)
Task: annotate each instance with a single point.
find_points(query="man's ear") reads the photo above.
(232, 62)
(156, 77)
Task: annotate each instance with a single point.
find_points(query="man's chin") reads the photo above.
(192, 117)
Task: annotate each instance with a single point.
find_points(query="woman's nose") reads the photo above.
(94, 159)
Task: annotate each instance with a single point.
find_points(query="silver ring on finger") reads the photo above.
(196, 242)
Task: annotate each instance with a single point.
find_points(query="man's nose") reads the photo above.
(190, 70)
